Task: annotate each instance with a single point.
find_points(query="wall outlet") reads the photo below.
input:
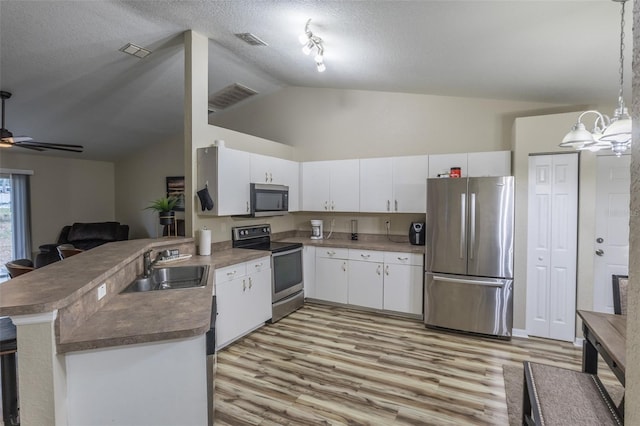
(387, 224)
(102, 291)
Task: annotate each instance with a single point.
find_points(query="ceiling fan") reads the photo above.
(8, 140)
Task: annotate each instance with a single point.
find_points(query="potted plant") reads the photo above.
(164, 206)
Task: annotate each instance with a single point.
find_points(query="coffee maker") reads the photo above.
(417, 233)
(316, 229)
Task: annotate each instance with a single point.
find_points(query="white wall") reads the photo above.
(325, 124)
(140, 179)
(64, 191)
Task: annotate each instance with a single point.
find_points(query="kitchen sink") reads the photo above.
(169, 278)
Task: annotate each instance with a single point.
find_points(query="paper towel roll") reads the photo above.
(204, 249)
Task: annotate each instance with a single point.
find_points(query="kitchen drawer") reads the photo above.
(400, 258)
(366, 255)
(332, 252)
(259, 265)
(230, 273)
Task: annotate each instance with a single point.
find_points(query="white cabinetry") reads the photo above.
(243, 297)
(277, 171)
(394, 184)
(493, 163)
(472, 164)
(365, 278)
(309, 270)
(226, 173)
(391, 281)
(442, 163)
(403, 278)
(331, 186)
(332, 274)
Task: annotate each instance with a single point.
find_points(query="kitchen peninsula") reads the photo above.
(86, 350)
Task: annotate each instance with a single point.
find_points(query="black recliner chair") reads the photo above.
(83, 236)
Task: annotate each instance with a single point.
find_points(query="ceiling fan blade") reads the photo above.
(56, 146)
(22, 139)
(64, 145)
(35, 148)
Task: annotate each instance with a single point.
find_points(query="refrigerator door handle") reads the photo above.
(472, 282)
(463, 224)
(472, 224)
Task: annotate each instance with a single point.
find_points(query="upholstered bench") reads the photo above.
(558, 396)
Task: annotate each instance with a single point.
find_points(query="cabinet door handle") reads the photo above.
(244, 285)
(232, 273)
(258, 265)
(366, 256)
(403, 259)
(386, 270)
(247, 207)
(396, 201)
(344, 266)
(333, 206)
(270, 177)
(378, 270)
(326, 205)
(266, 177)
(388, 205)
(250, 282)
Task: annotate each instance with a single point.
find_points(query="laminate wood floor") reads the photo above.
(327, 365)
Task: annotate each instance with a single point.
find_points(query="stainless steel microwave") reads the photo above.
(269, 200)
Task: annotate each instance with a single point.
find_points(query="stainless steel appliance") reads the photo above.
(469, 255)
(268, 200)
(287, 285)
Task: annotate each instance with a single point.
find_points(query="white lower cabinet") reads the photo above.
(390, 281)
(243, 298)
(403, 278)
(365, 278)
(332, 274)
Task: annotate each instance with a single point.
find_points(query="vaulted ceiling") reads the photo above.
(71, 84)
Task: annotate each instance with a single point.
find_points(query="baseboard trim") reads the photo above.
(518, 332)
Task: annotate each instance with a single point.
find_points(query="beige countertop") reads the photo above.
(128, 318)
(379, 243)
(123, 318)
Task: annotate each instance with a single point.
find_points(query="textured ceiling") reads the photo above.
(72, 85)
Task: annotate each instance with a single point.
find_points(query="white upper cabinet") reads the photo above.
(331, 186)
(265, 169)
(394, 184)
(291, 173)
(376, 185)
(410, 184)
(472, 164)
(226, 173)
(493, 163)
(442, 163)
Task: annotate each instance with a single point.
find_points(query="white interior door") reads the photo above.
(611, 245)
(552, 246)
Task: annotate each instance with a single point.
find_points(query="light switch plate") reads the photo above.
(102, 291)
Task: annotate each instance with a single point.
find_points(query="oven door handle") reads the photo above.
(284, 253)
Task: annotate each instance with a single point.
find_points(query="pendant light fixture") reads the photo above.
(607, 133)
(309, 42)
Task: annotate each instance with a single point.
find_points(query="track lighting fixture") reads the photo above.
(310, 42)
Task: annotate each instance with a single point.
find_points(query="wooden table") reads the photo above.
(604, 334)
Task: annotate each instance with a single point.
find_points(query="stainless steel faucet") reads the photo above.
(147, 264)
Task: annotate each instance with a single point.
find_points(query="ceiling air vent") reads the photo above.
(251, 39)
(229, 96)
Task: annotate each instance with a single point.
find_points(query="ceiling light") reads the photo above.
(608, 133)
(311, 42)
(134, 50)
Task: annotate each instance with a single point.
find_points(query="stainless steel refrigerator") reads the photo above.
(469, 255)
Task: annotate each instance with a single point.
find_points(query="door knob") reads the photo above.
(600, 252)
